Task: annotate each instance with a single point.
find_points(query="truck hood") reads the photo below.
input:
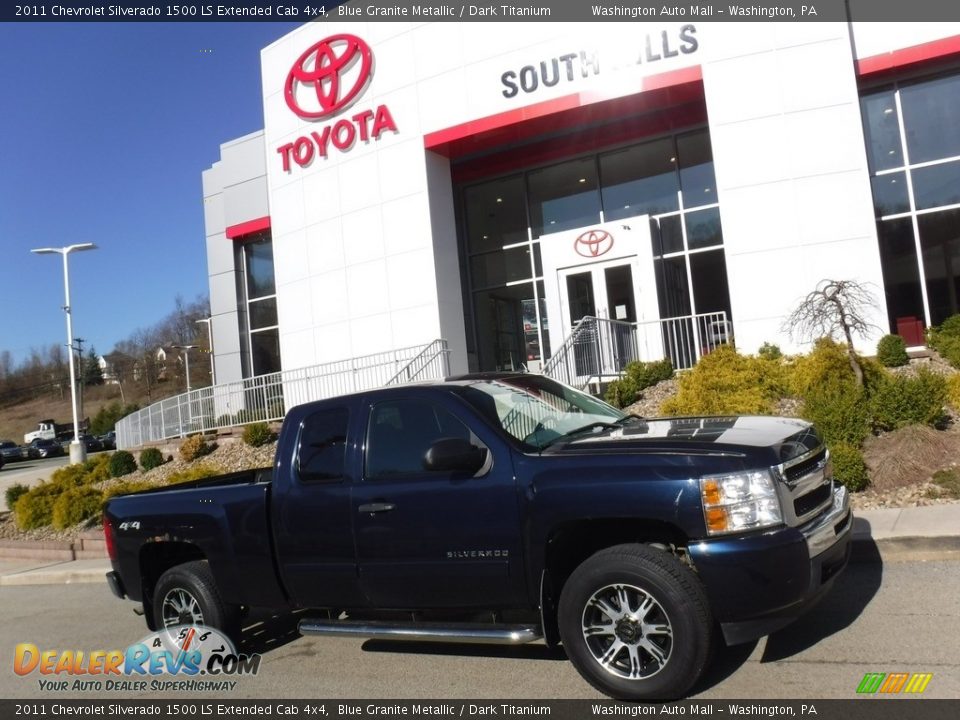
(786, 437)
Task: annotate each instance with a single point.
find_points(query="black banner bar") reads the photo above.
(497, 11)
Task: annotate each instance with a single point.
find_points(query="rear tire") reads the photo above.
(636, 623)
(187, 595)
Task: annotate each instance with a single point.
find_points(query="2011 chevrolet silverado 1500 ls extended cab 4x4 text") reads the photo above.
(503, 508)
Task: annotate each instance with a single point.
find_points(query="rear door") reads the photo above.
(312, 514)
(434, 539)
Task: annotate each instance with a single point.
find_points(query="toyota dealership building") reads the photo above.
(490, 184)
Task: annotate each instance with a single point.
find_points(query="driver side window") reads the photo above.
(400, 433)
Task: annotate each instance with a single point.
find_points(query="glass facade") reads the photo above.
(913, 149)
(669, 178)
(258, 305)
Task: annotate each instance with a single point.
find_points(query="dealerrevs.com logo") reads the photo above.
(180, 658)
(327, 79)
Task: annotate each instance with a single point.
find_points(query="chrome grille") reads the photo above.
(806, 485)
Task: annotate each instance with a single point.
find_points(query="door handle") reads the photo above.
(377, 507)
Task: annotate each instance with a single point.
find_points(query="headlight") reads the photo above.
(742, 501)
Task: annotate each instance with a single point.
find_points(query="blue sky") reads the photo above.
(104, 132)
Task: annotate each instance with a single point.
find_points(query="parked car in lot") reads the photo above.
(91, 443)
(42, 448)
(503, 508)
(108, 441)
(9, 450)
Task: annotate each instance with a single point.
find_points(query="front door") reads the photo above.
(606, 291)
(431, 539)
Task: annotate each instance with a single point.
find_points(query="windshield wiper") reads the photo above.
(598, 425)
(628, 417)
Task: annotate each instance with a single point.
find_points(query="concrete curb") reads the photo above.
(62, 573)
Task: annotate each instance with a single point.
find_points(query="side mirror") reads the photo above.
(454, 455)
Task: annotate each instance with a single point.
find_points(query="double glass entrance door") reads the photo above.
(601, 290)
(604, 291)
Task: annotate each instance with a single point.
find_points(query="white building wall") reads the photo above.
(234, 192)
(364, 239)
(791, 165)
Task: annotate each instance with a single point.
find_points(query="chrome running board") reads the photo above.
(424, 631)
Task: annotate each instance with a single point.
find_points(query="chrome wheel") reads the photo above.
(180, 608)
(627, 631)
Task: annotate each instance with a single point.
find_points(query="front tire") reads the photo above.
(636, 623)
(187, 595)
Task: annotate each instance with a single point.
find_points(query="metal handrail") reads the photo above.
(599, 349)
(268, 397)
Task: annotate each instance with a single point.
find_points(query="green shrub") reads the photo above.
(194, 447)
(70, 476)
(849, 467)
(945, 339)
(948, 482)
(953, 391)
(892, 351)
(125, 487)
(840, 412)
(97, 468)
(900, 401)
(76, 505)
(258, 434)
(14, 493)
(200, 472)
(768, 351)
(727, 383)
(34, 509)
(122, 463)
(150, 459)
(637, 376)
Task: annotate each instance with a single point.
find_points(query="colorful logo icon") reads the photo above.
(593, 243)
(893, 683)
(338, 68)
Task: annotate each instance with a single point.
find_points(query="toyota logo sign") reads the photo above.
(593, 243)
(330, 66)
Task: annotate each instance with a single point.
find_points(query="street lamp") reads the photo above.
(78, 451)
(186, 358)
(213, 371)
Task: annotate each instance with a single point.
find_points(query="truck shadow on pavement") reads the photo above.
(845, 602)
(264, 631)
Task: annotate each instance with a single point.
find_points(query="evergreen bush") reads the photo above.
(76, 505)
(892, 351)
(194, 447)
(150, 458)
(849, 467)
(122, 463)
(257, 434)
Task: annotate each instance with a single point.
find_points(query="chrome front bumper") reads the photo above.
(822, 532)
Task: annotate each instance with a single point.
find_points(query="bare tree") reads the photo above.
(835, 307)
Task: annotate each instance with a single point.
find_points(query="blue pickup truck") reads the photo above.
(503, 508)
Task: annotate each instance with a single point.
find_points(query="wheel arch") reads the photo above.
(571, 544)
(155, 560)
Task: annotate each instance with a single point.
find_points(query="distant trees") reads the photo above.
(132, 363)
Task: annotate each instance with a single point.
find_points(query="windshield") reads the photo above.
(537, 410)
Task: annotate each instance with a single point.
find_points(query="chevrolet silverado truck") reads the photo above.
(503, 508)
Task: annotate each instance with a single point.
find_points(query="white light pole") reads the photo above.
(213, 371)
(78, 451)
(186, 358)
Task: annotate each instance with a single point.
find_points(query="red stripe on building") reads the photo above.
(249, 227)
(569, 112)
(901, 59)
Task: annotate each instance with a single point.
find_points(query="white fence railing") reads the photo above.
(267, 397)
(599, 349)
